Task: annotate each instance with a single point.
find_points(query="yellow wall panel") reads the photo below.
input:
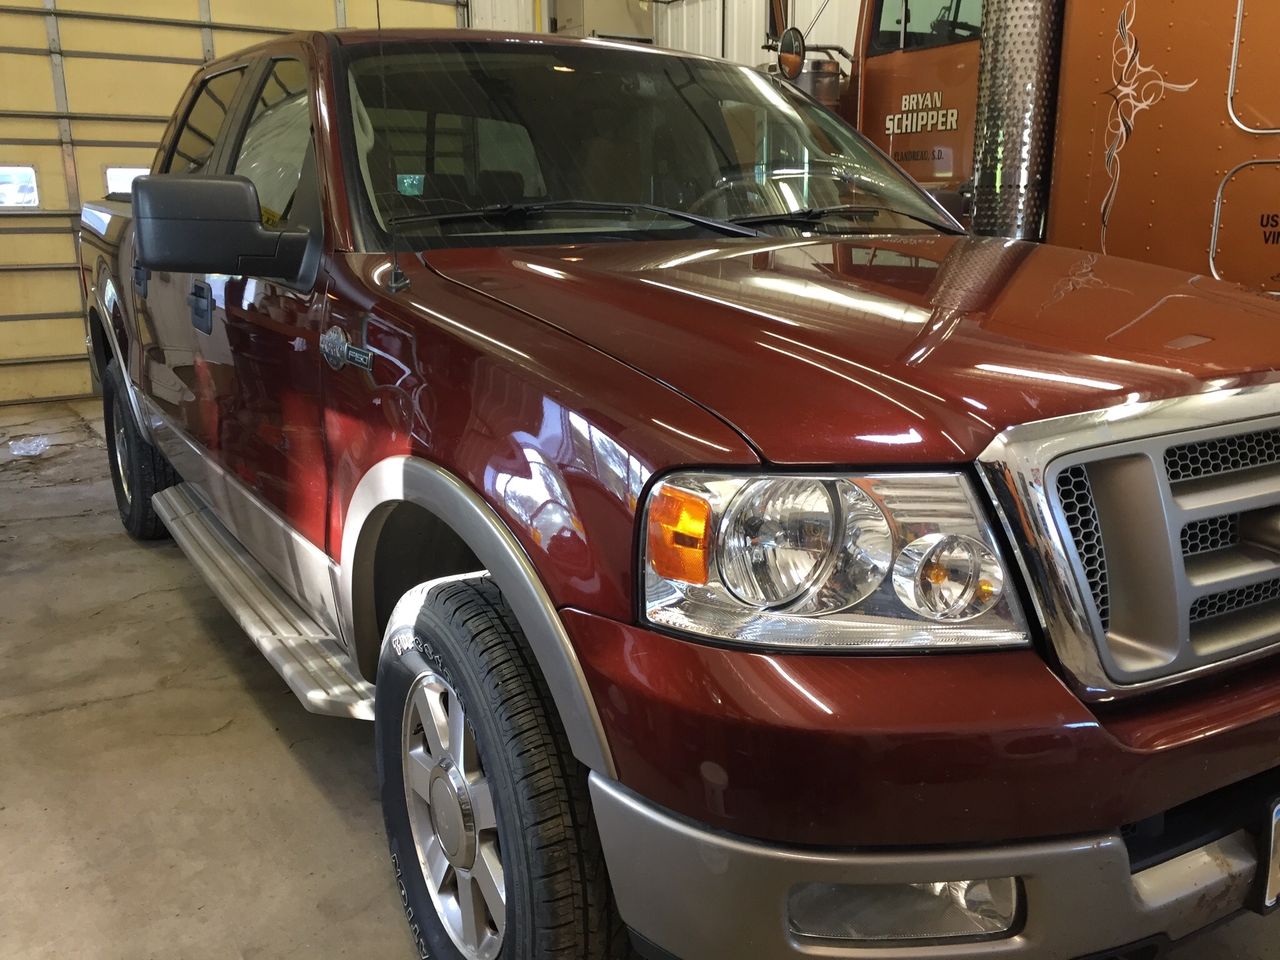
(110, 86)
(103, 35)
(26, 83)
(14, 129)
(23, 30)
(290, 14)
(37, 381)
(92, 163)
(45, 291)
(230, 41)
(36, 248)
(24, 339)
(401, 13)
(118, 129)
(169, 9)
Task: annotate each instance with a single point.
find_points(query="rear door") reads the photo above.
(169, 319)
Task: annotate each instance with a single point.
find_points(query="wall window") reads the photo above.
(928, 24)
(18, 187)
(120, 179)
(203, 123)
(277, 139)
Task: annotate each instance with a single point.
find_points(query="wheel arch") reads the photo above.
(402, 499)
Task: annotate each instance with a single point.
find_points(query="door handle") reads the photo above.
(200, 300)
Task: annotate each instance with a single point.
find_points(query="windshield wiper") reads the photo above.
(817, 214)
(536, 208)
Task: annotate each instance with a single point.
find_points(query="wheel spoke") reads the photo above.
(488, 876)
(471, 907)
(427, 704)
(436, 864)
(482, 806)
(418, 773)
(462, 747)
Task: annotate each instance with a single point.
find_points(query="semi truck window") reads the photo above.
(276, 140)
(203, 123)
(930, 23)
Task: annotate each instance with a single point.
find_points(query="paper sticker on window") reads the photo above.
(18, 187)
(409, 184)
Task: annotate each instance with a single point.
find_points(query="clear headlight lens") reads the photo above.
(776, 538)
(885, 562)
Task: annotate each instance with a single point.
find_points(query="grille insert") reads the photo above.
(1209, 458)
(1214, 533)
(1076, 496)
(1230, 601)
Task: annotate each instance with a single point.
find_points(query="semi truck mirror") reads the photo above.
(197, 224)
(791, 53)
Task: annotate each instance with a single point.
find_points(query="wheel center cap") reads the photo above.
(451, 814)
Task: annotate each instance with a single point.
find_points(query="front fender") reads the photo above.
(405, 479)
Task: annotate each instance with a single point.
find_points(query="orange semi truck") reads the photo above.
(1148, 129)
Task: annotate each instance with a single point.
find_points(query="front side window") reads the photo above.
(936, 23)
(276, 141)
(204, 121)
(450, 128)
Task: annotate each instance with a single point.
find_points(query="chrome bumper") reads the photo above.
(700, 895)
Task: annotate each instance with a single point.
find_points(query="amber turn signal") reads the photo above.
(679, 535)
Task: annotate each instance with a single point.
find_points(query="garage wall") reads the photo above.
(89, 84)
(696, 26)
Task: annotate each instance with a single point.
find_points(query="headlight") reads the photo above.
(883, 562)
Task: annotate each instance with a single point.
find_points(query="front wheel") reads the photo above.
(487, 816)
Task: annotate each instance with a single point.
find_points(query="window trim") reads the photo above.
(197, 88)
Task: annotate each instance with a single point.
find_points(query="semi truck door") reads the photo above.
(919, 86)
(170, 374)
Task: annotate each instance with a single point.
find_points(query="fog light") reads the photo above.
(954, 910)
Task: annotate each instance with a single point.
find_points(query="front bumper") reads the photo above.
(701, 895)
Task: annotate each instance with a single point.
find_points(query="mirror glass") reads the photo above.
(791, 53)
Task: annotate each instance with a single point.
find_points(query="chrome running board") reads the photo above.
(303, 652)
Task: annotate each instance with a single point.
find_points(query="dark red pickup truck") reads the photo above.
(750, 564)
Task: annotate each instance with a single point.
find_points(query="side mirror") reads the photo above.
(791, 53)
(211, 225)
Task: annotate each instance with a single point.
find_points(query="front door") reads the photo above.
(263, 358)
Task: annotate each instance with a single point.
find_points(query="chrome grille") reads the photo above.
(1210, 458)
(1081, 513)
(1150, 534)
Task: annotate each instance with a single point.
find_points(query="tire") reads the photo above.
(138, 470)
(456, 645)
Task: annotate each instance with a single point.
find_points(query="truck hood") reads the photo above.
(886, 350)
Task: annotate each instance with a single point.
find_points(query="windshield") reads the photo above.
(445, 128)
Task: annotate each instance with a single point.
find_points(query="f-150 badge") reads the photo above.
(336, 348)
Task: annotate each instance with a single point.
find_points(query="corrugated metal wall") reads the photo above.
(696, 26)
(89, 84)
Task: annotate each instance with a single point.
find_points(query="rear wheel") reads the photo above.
(138, 470)
(487, 815)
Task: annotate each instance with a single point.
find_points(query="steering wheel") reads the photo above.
(727, 185)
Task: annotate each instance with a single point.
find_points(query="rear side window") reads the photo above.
(929, 24)
(204, 121)
(276, 141)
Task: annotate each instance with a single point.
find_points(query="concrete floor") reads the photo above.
(162, 793)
